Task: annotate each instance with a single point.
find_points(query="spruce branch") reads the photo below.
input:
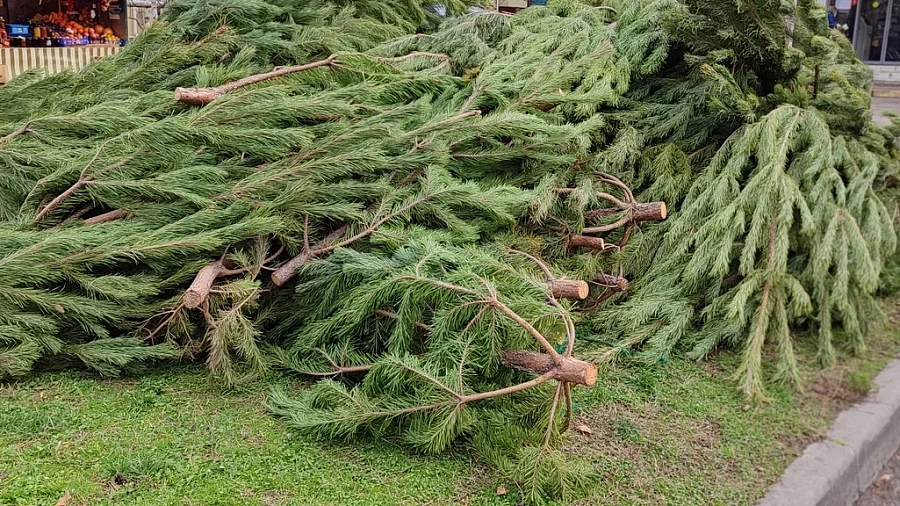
(395, 316)
(409, 315)
(751, 368)
(59, 199)
(443, 123)
(445, 60)
(337, 369)
(172, 314)
(634, 213)
(24, 129)
(83, 180)
(559, 288)
(492, 300)
(287, 271)
(114, 215)
(206, 96)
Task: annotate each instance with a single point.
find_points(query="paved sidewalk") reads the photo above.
(885, 490)
(880, 105)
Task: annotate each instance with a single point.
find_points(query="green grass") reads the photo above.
(676, 433)
(169, 438)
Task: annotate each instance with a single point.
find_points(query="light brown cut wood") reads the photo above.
(635, 213)
(117, 214)
(617, 283)
(651, 211)
(287, 271)
(197, 96)
(198, 292)
(570, 289)
(569, 369)
(583, 241)
(205, 96)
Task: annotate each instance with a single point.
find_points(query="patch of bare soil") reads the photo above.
(118, 482)
(832, 387)
(827, 392)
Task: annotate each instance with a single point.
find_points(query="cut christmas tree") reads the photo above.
(446, 228)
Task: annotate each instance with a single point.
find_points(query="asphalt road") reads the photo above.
(885, 490)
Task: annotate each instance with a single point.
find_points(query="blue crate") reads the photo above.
(17, 30)
(537, 3)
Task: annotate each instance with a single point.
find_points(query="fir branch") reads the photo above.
(117, 214)
(83, 180)
(287, 271)
(206, 96)
(24, 129)
(751, 369)
(494, 302)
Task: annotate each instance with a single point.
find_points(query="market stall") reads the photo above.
(59, 34)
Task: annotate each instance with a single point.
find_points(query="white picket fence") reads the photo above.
(52, 59)
(141, 13)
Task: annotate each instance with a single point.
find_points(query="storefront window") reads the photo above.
(38, 23)
(870, 29)
(874, 28)
(892, 51)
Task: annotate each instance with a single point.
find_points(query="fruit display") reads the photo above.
(72, 29)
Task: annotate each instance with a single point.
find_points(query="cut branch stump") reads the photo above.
(569, 369)
(570, 289)
(199, 290)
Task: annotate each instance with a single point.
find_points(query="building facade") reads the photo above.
(873, 26)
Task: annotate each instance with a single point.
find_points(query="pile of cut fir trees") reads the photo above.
(447, 223)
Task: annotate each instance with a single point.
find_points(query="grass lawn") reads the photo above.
(676, 433)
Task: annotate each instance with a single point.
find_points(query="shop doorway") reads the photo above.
(876, 31)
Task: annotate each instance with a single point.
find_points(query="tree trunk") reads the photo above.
(198, 292)
(205, 96)
(651, 211)
(570, 289)
(570, 369)
(617, 283)
(197, 96)
(287, 271)
(583, 241)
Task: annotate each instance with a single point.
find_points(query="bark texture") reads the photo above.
(583, 241)
(570, 289)
(568, 369)
(287, 271)
(617, 283)
(198, 292)
(204, 96)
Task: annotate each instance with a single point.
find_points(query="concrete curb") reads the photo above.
(835, 471)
